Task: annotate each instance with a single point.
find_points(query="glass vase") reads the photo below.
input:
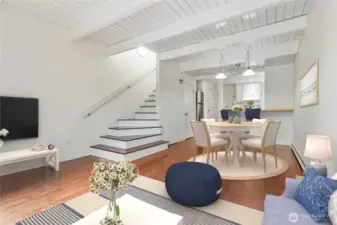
(237, 118)
(113, 213)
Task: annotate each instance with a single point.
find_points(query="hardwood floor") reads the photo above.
(26, 193)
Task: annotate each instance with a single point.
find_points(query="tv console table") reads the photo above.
(51, 157)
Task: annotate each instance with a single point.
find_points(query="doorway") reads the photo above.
(212, 107)
(189, 104)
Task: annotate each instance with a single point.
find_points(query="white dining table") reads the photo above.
(235, 131)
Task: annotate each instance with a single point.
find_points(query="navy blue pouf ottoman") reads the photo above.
(193, 183)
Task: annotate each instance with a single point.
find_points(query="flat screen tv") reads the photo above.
(20, 116)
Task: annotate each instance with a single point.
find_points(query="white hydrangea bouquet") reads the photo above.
(109, 176)
(3, 133)
(237, 110)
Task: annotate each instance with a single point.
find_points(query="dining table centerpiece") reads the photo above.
(112, 177)
(237, 110)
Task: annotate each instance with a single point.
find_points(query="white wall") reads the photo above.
(38, 61)
(228, 91)
(320, 41)
(171, 100)
(279, 85)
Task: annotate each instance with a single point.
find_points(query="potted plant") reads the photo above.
(237, 110)
(109, 176)
(250, 104)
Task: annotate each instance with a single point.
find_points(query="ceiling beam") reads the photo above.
(225, 12)
(245, 37)
(104, 18)
(213, 61)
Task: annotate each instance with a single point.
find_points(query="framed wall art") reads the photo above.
(309, 86)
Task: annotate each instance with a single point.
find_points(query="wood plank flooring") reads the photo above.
(27, 193)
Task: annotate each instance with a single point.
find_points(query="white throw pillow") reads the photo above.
(332, 208)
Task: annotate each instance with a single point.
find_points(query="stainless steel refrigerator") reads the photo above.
(200, 105)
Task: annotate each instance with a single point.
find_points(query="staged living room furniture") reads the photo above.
(235, 132)
(51, 157)
(134, 211)
(285, 210)
(268, 140)
(204, 140)
(193, 183)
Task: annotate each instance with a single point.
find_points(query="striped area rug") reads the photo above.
(59, 215)
(64, 215)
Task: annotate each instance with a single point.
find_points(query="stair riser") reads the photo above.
(147, 116)
(135, 123)
(153, 98)
(146, 131)
(129, 144)
(150, 103)
(129, 157)
(148, 109)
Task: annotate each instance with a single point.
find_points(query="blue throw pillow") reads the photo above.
(314, 192)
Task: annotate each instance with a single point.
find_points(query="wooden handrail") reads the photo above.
(113, 95)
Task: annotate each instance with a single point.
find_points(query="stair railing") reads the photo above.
(113, 95)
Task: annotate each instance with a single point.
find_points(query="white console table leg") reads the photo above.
(53, 161)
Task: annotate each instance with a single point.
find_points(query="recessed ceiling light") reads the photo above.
(221, 24)
(142, 51)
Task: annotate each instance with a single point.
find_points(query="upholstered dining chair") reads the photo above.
(204, 141)
(258, 131)
(212, 134)
(268, 140)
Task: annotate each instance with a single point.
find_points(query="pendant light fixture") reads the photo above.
(221, 75)
(249, 71)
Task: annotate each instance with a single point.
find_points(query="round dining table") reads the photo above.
(235, 132)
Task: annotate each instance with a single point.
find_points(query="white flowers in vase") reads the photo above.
(3, 133)
(108, 176)
(238, 108)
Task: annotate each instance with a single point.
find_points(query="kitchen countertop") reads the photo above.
(278, 110)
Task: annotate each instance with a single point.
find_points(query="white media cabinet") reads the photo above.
(51, 157)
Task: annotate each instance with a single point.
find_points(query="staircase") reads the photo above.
(133, 138)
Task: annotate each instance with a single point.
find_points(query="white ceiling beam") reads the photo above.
(213, 61)
(102, 18)
(225, 12)
(244, 37)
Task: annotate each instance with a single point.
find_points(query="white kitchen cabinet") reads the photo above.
(251, 91)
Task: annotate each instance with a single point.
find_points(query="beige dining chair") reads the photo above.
(212, 134)
(268, 140)
(204, 141)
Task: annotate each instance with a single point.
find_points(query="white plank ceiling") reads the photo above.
(159, 14)
(241, 49)
(153, 17)
(64, 13)
(277, 13)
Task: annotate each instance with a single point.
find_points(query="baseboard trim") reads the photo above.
(298, 157)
